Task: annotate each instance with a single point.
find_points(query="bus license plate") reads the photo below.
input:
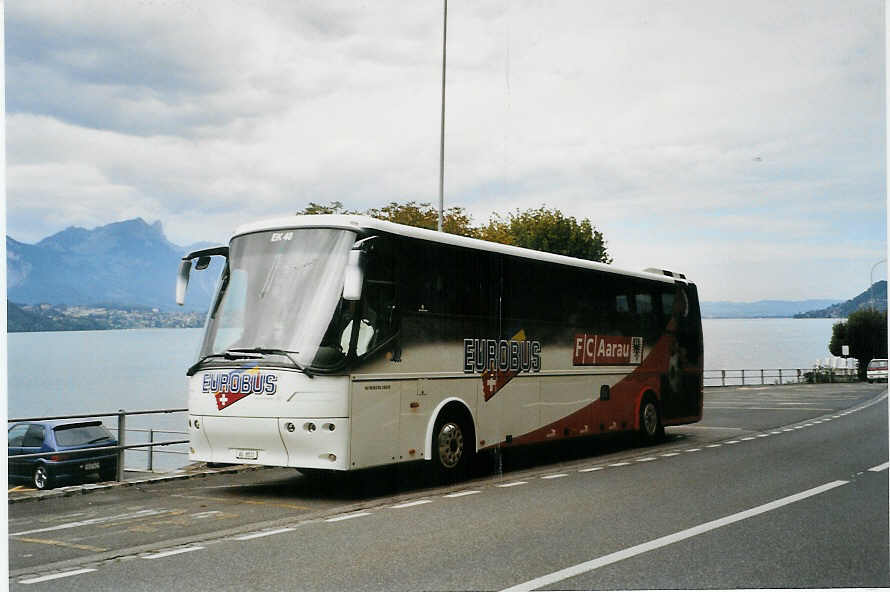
(91, 466)
(246, 454)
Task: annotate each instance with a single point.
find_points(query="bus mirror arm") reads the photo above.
(185, 267)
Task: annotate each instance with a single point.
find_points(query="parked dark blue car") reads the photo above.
(55, 438)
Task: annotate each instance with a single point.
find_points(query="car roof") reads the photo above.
(55, 423)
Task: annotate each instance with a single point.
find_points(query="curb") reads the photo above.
(87, 488)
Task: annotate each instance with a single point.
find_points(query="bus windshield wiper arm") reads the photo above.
(276, 352)
(194, 368)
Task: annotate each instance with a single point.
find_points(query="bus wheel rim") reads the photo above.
(451, 445)
(650, 418)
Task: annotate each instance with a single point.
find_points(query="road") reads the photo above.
(778, 487)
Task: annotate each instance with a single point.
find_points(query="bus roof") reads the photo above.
(367, 224)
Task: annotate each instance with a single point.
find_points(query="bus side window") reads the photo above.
(378, 317)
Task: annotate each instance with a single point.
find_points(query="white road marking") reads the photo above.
(669, 454)
(619, 464)
(882, 467)
(556, 476)
(514, 484)
(762, 435)
(348, 516)
(461, 493)
(64, 574)
(266, 533)
(590, 469)
(775, 408)
(173, 552)
(587, 566)
(692, 427)
(139, 514)
(647, 459)
(747, 438)
(692, 450)
(713, 445)
(732, 442)
(411, 504)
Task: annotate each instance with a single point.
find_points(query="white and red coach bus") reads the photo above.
(345, 342)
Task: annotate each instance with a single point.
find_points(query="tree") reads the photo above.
(423, 215)
(541, 229)
(549, 230)
(866, 333)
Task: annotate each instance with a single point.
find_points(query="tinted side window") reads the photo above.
(34, 437)
(17, 434)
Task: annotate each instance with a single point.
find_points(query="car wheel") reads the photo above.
(42, 479)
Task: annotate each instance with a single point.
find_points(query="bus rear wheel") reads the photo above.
(651, 428)
(452, 447)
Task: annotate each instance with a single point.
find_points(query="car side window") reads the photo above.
(34, 437)
(17, 434)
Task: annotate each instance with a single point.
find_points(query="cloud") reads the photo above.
(755, 127)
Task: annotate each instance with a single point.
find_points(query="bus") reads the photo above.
(345, 342)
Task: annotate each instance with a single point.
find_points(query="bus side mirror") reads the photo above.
(355, 277)
(182, 280)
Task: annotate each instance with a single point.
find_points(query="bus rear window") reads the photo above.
(78, 435)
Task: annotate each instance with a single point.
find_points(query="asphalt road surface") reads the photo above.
(778, 487)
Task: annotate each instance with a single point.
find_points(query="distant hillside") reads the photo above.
(129, 263)
(876, 297)
(47, 317)
(760, 309)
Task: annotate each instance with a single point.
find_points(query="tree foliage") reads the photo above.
(542, 229)
(865, 331)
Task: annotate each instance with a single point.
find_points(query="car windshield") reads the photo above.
(878, 365)
(280, 292)
(78, 435)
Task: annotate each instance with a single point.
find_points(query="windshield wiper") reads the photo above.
(275, 352)
(194, 368)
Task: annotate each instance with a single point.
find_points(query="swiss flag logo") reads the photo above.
(223, 400)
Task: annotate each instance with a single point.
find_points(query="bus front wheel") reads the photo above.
(651, 428)
(452, 447)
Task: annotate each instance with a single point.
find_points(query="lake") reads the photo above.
(58, 373)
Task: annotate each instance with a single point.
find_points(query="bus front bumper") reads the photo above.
(316, 442)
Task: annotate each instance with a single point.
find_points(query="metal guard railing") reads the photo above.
(121, 436)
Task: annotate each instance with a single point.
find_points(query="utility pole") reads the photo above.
(442, 126)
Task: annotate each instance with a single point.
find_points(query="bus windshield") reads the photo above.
(280, 291)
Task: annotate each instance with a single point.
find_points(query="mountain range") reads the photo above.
(129, 263)
(132, 264)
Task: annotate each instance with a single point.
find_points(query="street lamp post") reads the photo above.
(442, 125)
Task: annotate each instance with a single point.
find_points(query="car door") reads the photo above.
(16, 439)
(32, 443)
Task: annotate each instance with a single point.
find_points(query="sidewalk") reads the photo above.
(18, 493)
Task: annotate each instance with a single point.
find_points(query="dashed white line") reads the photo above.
(348, 516)
(461, 493)
(556, 476)
(646, 459)
(713, 445)
(762, 435)
(587, 566)
(56, 576)
(590, 469)
(669, 454)
(732, 442)
(747, 438)
(173, 552)
(265, 533)
(411, 504)
(881, 467)
(513, 484)
(619, 464)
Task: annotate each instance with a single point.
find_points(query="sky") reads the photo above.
(740, 142)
